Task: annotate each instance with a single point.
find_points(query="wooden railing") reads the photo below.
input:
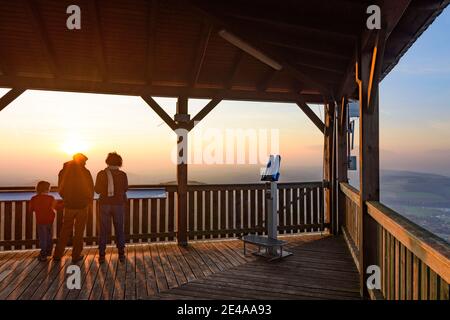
(414, 263)
(214, 211)
(351, 225)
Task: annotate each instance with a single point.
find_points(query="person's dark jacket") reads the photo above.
(120, 187)
(75, 185)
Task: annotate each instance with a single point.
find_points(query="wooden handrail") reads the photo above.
(429, 248)
(351, 192)
(195, 187)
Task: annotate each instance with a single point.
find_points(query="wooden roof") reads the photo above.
(172, 47)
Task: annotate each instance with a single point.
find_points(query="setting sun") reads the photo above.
(74, 144)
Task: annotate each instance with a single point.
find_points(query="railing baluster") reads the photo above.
(162, 216)
(253, 212)
(7, 233)
(238, 209)
(223, 211)
(231, 209)
(261, 208)
(215, 213)
(191, 213)
(245, 211)
(200, 220)
(207, 211)
(145, 218)
(153, 218)
(171, 212)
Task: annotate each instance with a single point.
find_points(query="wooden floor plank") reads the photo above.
(45, 279)
(187, 271)
(108, 287)
(150, 276)
(130, 277)
(120, 278)
(168, 271)
(320, 268)
(100, 280)
(195, 261)
(141, 281)
(177, 270)
(161, 279)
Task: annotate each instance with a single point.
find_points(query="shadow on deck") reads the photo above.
(321, 268)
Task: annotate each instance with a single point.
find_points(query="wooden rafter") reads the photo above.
(282, 17)
(42, 35)
(394, 11)
(311, 115)
(298, 23)
(264, 82)
(203, 113)
(201, 52)
(4, 68)
(98, 36)
(139, 89)
(160, 111)
(9, 97)
(376, 67)
(151, 39)
(234, 69)
(343, 112)
(217, 18)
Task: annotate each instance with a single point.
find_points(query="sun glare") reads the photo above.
(74, 144)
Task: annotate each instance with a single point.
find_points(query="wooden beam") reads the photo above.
(159, 90)
(9, 97)
(264, 82)
(341, 160)
(328, 162)
(303, 24)
(38, 26)
(376, 68)
(217, 18)
(369, 157)
(311, 115)
(391, 13)
(201, 52)
(151, 39)
(286, 18)
(5, 68)
(334, 184)
(234, 69)
(99, 44)
(182, 175)
(160, 111)
(203, 113)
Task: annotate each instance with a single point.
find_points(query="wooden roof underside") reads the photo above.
(172, 47)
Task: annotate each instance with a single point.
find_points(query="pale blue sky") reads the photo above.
(415, 105)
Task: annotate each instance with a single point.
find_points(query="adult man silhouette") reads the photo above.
(76, 187)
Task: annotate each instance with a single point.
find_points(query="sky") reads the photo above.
(40, 129)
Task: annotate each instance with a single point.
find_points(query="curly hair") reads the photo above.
(114, 159)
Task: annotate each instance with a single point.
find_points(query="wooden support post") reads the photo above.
(182, 172)
(333, 184)
(327, 160)
(341, 159)
(9, 97)
(370, 63)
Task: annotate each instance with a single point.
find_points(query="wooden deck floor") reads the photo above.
(321, 268)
